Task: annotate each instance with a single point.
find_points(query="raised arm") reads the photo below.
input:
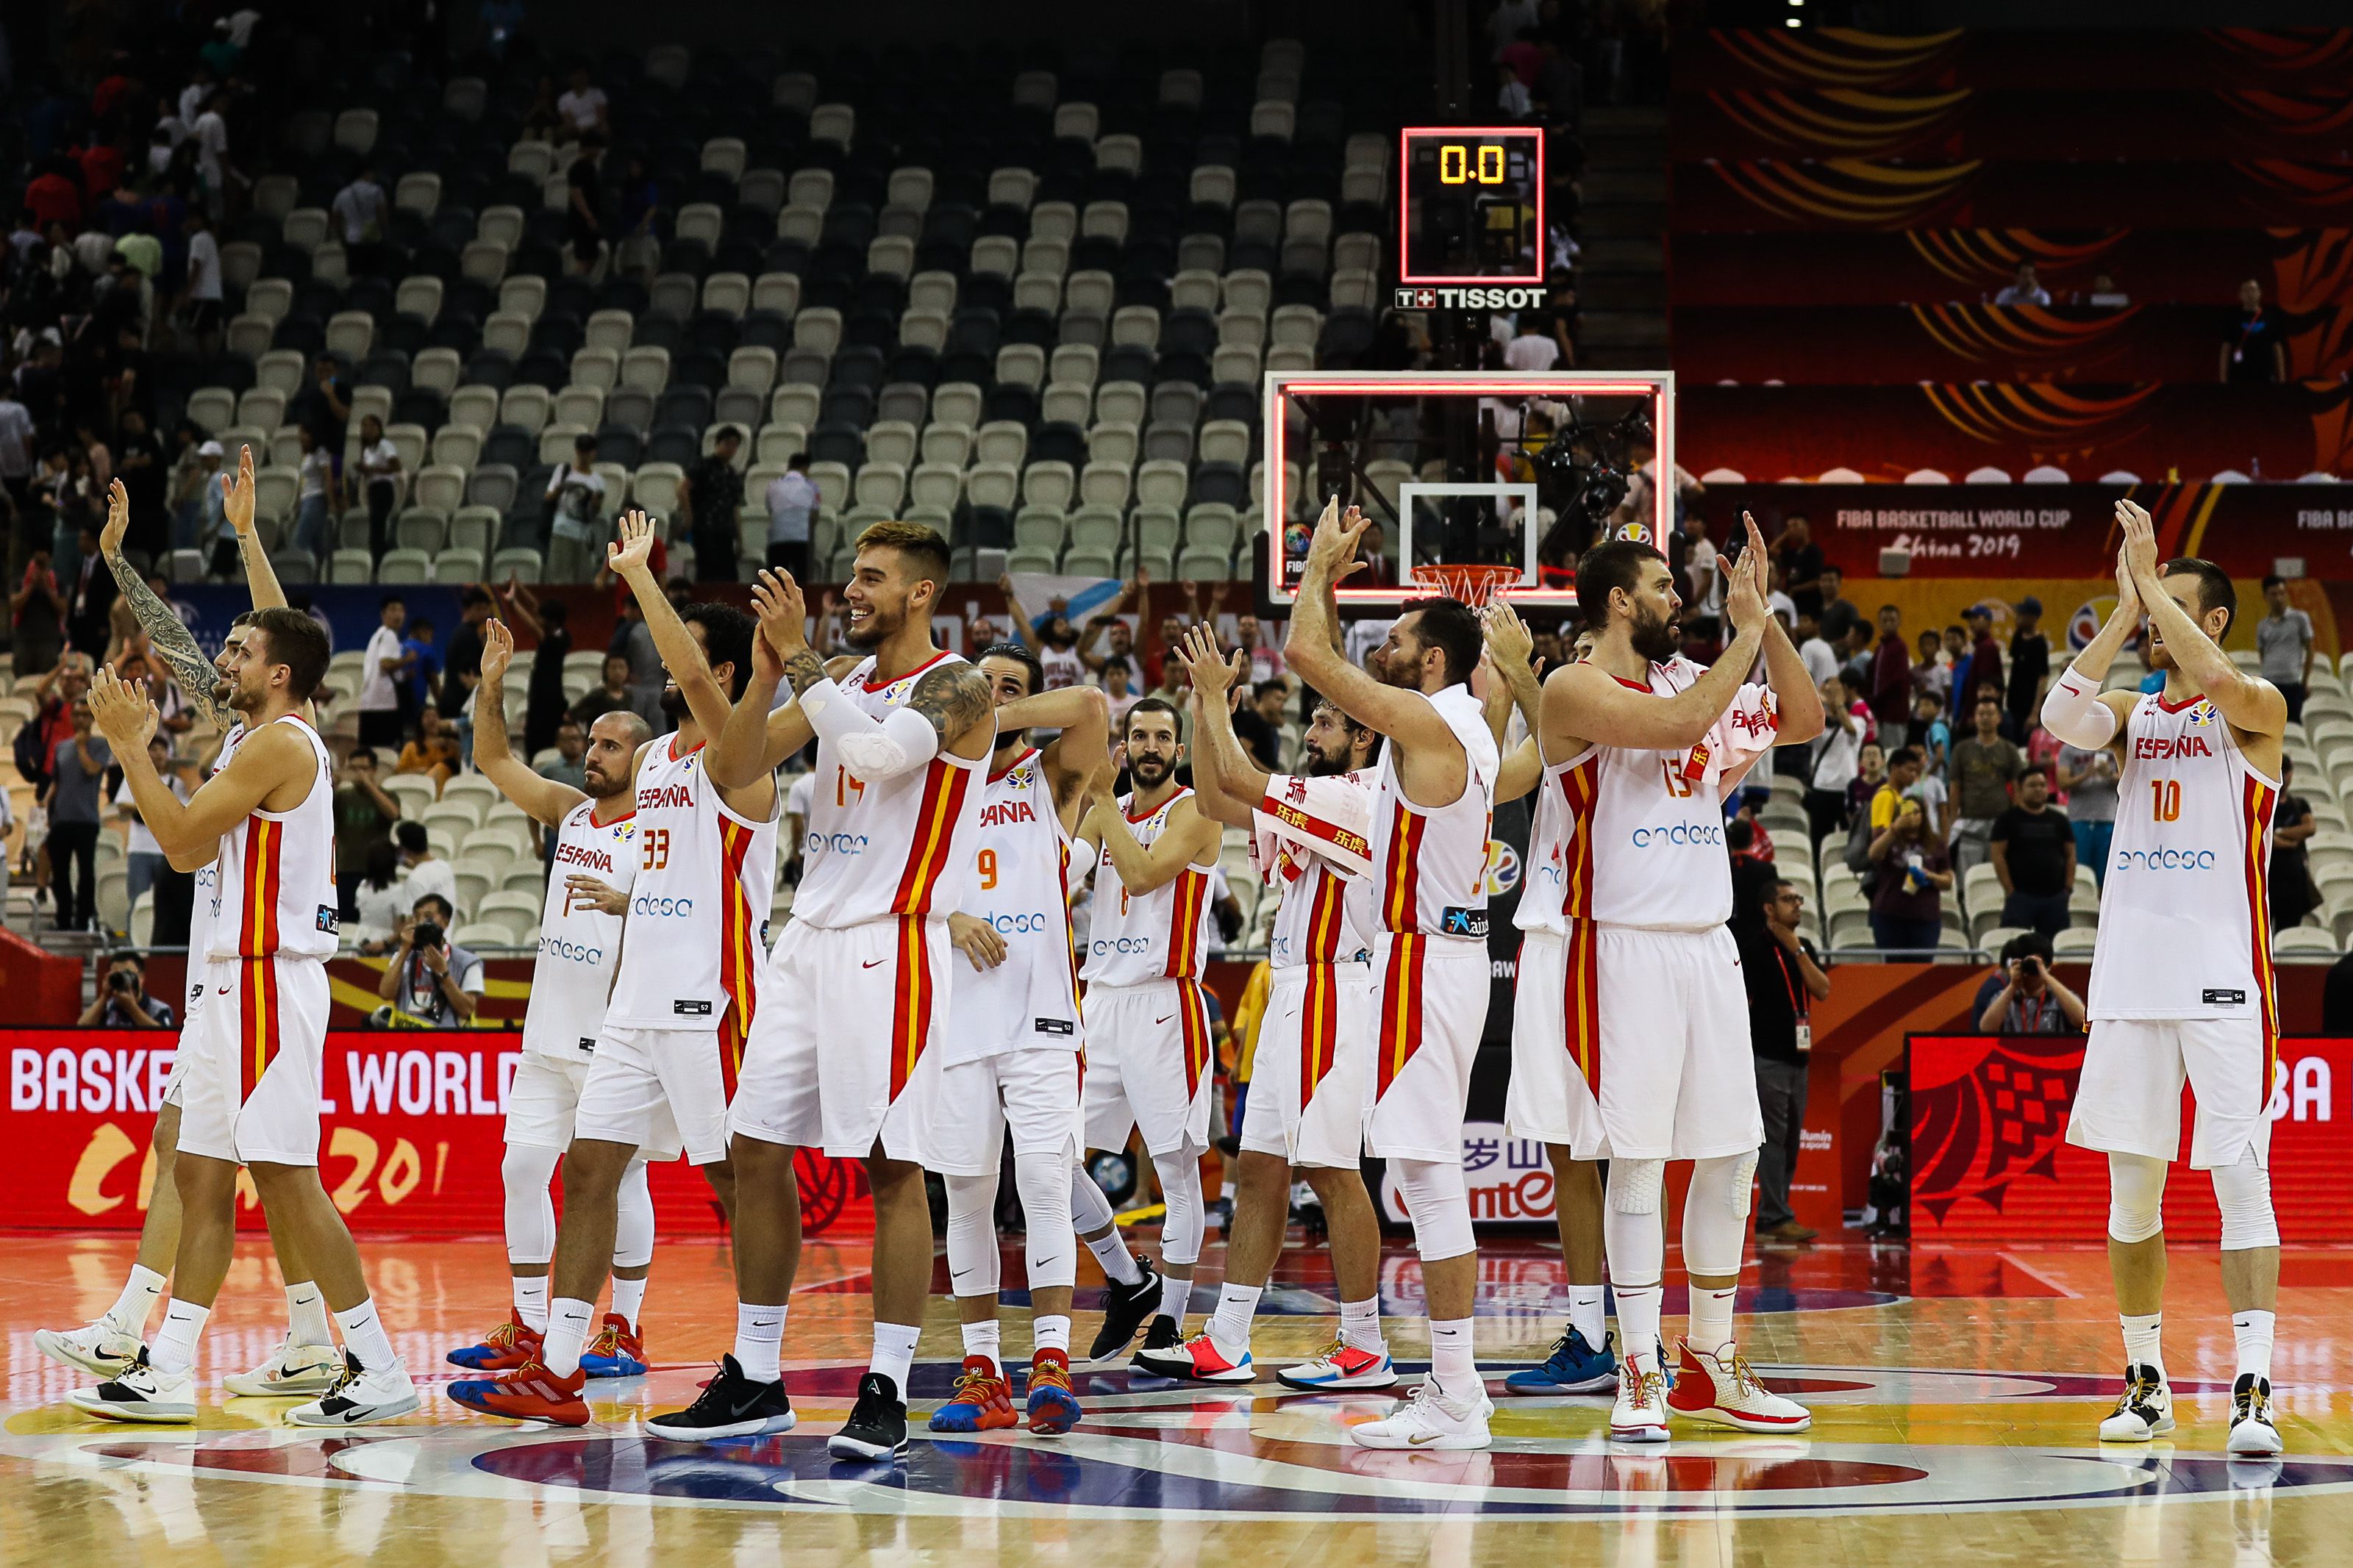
(2075, 710)
(1797, 701)
(260, 578)
(2249, 701)
(166, 633)
(1312, 647)
(543, 799)
(1228, 781)
(1082, 750)
(1512, 649)
(630, 558)
(1190, 837)
(754, 741)
(1521, 770)
(1023, 632)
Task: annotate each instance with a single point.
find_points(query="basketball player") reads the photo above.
(307, 1361)
(1314, 1056)
(1644, 745)
(1431, 815)
(1148, 1046)
(683, 996)
(250, 1091)
(845, 1057)
(1013, 1060)
(2181, 977)
(595, 858)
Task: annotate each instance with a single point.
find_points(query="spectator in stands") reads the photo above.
(363, 212)
(2292, 893)
(550, 625)
(1513, 100)
(2025, 289)
(2090, 780)
(328, 407)
(1258, 723)
(122, 1002)
(143, 860)
(1784, 978)
(1261, 660)
(1800, 560)
(315, 511)
(2105, 295)
(1380, 566)
(1907, 779)
(434, 753)
(1985, 654)
(1532, 347)
(583, 108)
(2255, 350)
(364, 815)
(1814, 650)
(792, 501)
(37, 616)
(575, 496)
(1706, 582)
(583, 214)
(424, 664)
(379, 480)
(1890, 678)
(2284, 639)
(195, 482)
(2033, 850)
(1984, 767)
(2022, 996)
(569, 765)
(2029, 665)
(1932, 669)
(1838, 759)
(610, 695)
(428, 872)
(709, 498)
(1117, 676)
(431, 981)
(383, 669)
(77, 765)
(378, 899)
(1907, 893)
(634, 641)
(1838, 615)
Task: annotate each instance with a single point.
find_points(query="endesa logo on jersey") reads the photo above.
(1029, 924)
(571, 952)
(2164, 858)
(656, 907)
(834, 844)
(2162, 748)
(1121, 944)
(1678, 835)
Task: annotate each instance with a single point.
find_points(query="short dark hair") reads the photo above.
(129, 956)
(798, 460)
(472, 596)
(1904, 754)
(390, 599)
(1605, 568)
(449, 911)
(2027, 944)
(1987, 692)
(2272, 579)
(554, 612)
(1020, 653)
(924, 547)
(1154, 705)
(299, 643)
(1117, 661)
(584, 442)
(727, 433)
(727, 634)
(2215, 589)
(411, 835)
(1453, 626)
(1263, 687)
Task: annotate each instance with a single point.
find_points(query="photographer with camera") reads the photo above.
(122, 1002)
(2024, 997)
(430, 983)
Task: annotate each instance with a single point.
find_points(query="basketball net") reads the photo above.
(1474, 584)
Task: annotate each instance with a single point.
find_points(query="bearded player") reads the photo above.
(1012, 1063)
(1306, 1109)
(1664, 740)
(596, 859)
(1432, 807)
(2181, 977)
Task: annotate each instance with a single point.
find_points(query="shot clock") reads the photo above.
(1473, 206)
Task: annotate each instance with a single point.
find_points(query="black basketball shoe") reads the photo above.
(1126, 1308)
(1161, 1338)
(877, 1427)
(730, 1405)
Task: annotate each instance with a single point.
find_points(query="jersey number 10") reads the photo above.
(2165, 799)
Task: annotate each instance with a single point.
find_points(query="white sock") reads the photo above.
(1360, 1323)
(1226, 1190)
(1050, 1333)
(1176, 1295)
(2253, 1332)
(1711, 1319)
(1451, 1361)
(139, 1294)
(628, 1299)
(985, 1339)
(1637, 1324)
(175, 1348)
(894, 1353)
(2141, 1331)
(364, 1337)
(1585, 1314)
(1119, 1264)
(530, 1302)
(568, 1317)
(1229, 1325)
(306, 1315)
(760, 1342)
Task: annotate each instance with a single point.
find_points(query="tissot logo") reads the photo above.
(1468, 299)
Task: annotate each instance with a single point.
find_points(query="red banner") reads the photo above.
(1940, 122)
(410, 1143)
(1991, 1161)
(1736, 195)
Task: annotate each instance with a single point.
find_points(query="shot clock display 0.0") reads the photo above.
(1471, 207)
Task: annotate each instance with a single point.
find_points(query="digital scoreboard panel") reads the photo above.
(1472, 206)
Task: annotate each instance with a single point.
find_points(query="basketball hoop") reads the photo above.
(1474, 584)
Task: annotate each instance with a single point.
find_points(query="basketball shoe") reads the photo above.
(1124, 1310)
(2253, 1436)
(101, 1347)
(1160, 1338)
(1639, 1415)
(617, 1351)
(361, 1396)
(1196, 1360)
(528, 1393)
(877, 1427)
(1721, 1389)
(1429, 1418)
(2144, 1410)
(1573, 1367)
(1340, 1366)
(983, 1401)
(730, 1405)
(510, 1345)
(142, 1393)
(1054, 1408)
(295, 1370)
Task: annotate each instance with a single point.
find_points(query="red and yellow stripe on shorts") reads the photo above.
(259, 1022)
(739, 950)
(1319, 1019)
(2258, 804)
(1401, 1006)
(264, 854)
(1193, 1016)
(910, 1012)
(1581, 1000)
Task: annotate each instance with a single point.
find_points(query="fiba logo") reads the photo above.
(1635, 531)
(1503, 868)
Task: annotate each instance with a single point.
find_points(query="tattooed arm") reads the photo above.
(166, 633)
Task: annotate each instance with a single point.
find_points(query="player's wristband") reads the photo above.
(2072, 711)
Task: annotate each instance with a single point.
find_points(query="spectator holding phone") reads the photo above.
(430, 983)
(2024, 997)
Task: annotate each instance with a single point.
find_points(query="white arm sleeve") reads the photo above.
(2073, 711)
(905, 742)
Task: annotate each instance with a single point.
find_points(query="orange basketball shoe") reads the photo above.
(510, 1345)
(1054, 1408)
(528, 1393)
(982, 1402)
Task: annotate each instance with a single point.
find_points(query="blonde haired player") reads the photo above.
(1670, 1017)
(2182, 976)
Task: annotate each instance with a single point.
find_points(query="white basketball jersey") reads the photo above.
(275, 890)
(878, 848)
(580, 944)
(206, 898)
(1326, 913)
(1159, 935)
(1021, 887)
(2185, 928)
(1660, 862)
(698, 903)
(1063, 667)
(1430, 866)
(1558, 885)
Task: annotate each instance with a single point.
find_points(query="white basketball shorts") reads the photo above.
(1310, 1080)
(2128, 1100)
(1150, 1065)
(1034, 1092)
(1678, 1080)
(1431, 1002)
(657, 1091)
(249, 1065)
(1557, 1041)
(544, 1097)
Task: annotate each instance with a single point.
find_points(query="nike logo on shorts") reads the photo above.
(873, 962)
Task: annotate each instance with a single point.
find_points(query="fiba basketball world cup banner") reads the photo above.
(410, 1140)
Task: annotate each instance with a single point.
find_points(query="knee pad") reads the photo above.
(1439, 1202)
(2244, 1193)
(1638, 1187)
(1180, 1189)
(1716, 1213)
(633, 1229)
(2136, 1197)
(1091, 1212)
(524, 1173)
(973, 1268)
(1046, 1208)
